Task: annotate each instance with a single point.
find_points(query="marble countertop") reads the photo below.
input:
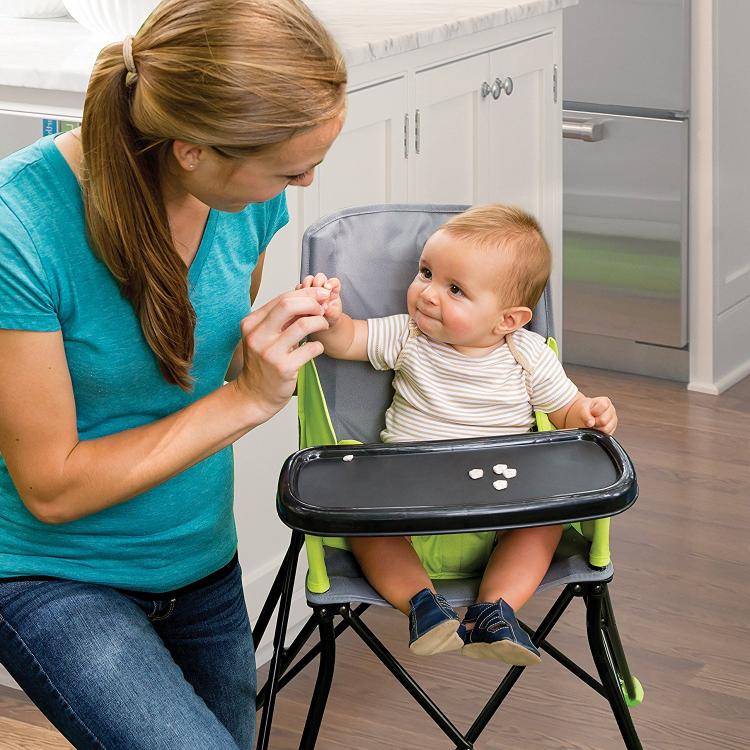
(58, 54)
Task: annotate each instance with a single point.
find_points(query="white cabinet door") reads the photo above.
(367, 162)
(524, 133)
(450, 160)
(525, 143)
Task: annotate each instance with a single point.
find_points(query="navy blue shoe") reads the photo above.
(497, 635)
(433, 625)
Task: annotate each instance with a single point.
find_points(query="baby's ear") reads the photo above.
(512, 319)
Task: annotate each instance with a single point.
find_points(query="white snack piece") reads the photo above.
(509, 473)
(500, 484)
(499, 468)
(349, 457)
(476, 473)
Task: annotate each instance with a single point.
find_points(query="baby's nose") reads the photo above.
(428, 294)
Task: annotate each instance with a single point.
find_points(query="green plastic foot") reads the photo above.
(636, 699)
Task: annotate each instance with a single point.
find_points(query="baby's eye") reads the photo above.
(456, 290)
(426, 273)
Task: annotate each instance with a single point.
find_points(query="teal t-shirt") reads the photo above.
(50, 280)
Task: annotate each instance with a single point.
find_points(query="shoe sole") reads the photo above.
(441, 638)
(507, 652)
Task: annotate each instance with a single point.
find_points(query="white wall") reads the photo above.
(732, 189)
(720, 196)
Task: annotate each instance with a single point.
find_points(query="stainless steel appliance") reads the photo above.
(625, 173)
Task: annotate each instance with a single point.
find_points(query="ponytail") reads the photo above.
(127, 220)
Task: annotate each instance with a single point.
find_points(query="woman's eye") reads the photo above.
(456, 290)
(426, 273)
(297, 177)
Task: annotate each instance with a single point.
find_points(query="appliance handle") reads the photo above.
(583, 130)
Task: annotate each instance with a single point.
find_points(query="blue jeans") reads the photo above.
(115, 671)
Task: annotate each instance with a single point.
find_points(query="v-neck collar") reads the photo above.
(196, 266)
(54, 157)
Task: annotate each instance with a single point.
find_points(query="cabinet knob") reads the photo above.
(500, 85)
(484, 89)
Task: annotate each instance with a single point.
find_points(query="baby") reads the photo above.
(465, 367)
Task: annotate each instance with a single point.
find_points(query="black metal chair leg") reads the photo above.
(271, 601)
(274, 672)
(615, 644)
(288, 657)
(510, 679)
(397, 670)
(603, 659)
(289, 673)
(322, 688)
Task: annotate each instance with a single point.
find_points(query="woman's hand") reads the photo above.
(272, 353)
(332, 306)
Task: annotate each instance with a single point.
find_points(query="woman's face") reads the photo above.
(231, 184)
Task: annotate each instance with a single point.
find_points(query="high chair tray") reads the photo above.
(425, 487)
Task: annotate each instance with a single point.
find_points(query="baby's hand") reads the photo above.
(599, 412)
(332, 306)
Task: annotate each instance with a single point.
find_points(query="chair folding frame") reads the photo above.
(616, 683)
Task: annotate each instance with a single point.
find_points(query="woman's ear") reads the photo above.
(187, 155)
(512, 319)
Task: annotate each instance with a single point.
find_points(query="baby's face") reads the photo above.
(455, 295)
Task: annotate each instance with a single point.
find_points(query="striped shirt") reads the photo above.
(442, 394)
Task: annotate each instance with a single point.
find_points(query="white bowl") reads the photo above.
(32, 8)
(113, 19)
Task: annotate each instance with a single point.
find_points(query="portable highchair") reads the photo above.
(575, 477)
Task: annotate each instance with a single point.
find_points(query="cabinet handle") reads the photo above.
(500, 85)
(417, 133)
(583, 130)
(406, 136)
(484, 90)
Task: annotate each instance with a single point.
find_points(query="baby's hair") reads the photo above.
(507, 228)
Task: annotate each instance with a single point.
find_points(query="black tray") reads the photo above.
(424, 487)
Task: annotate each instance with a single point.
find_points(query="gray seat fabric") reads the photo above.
(569, 565)
(374, 251)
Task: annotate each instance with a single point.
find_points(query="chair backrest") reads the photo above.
(374, 251)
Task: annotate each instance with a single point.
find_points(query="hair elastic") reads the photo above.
(127, 54)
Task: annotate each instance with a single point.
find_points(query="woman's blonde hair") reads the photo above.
(236, 75)
(499, 227)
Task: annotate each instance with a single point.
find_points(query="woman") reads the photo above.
(127, 251)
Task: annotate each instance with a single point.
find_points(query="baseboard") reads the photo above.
(700, 387)
(733, 377)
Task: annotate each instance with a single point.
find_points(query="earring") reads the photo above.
(191, 166)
